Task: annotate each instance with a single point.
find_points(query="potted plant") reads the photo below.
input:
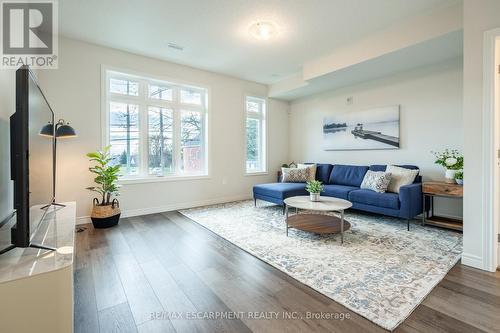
(459, 177)
(452, 160)
(106, 209)
(314, 187)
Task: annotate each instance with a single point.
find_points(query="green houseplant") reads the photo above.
(314, 187)
(452, 160)
(106, 209)
(459, 177)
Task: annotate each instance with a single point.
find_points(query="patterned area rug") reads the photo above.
(382, 271)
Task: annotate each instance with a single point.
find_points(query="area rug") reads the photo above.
(382, 271)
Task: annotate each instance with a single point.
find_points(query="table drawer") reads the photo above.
(453, 190)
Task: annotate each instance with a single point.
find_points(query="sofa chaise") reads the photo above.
(343, 181)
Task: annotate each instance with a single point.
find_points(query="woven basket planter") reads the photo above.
(105, 216)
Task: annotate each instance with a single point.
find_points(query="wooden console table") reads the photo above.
(443, 190)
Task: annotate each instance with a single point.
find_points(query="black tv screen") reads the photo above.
(32, 149)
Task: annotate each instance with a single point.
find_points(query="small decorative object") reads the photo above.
(459, 177)
(314, 187)
(452, 160)
(292, 165)
(105, 213)
(284, 165)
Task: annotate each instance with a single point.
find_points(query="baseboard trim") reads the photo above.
(171, 207)
(472, 260)
(83, 220)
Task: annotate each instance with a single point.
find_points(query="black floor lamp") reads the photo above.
(63, 130)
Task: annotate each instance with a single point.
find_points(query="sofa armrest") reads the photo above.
(410, 197)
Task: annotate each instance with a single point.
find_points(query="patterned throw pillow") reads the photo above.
(312, 170)
(295, 175)
(376, 181)
(400, 177)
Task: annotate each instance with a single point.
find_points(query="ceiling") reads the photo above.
(214, 33)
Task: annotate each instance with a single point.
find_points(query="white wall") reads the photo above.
(479, 16)
(431, 119)
(74, 92)
(7, 107)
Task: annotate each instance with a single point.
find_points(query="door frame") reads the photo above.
(491, 136)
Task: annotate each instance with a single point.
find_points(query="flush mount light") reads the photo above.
(263, 30)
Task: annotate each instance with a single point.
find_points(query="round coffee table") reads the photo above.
(317, 223)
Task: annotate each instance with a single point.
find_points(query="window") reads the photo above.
(155, 128)
(255, 135)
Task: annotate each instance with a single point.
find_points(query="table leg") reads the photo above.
(296, 210)
(342, 226)
(286, 219)
(424, 212)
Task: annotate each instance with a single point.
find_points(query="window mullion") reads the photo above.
(143, 128)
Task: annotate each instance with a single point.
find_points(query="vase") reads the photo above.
(450, 176)
(105, 216)
(314, 196)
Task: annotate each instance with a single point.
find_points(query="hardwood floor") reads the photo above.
(144, 273)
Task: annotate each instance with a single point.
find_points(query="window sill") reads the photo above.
(144, 180)
(257, 173)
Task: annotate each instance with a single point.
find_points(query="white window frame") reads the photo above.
(143, 101)
(262, 117)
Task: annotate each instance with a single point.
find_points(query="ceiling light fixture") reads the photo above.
(263, 30)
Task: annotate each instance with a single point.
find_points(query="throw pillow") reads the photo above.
(377, 181)
(311, 168)
(400, 177)
(295, 175)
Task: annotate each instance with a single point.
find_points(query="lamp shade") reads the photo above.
(47, 130)
(65, 131)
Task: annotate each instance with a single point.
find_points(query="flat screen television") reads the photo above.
(31, 158)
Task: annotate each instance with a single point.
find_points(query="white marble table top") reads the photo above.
(325, 204)
(58, 231)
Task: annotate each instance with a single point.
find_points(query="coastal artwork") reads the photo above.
(376, 128)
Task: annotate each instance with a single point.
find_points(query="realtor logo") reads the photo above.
(29, 34)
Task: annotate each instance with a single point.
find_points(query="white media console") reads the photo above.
(36, 286)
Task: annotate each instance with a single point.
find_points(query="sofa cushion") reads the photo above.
(377, 181)
(350, 175)
(383, 167)
(338, 191)
(295, 175)
(400, 177)
(369, 197)
(281, 190)
(323, 172)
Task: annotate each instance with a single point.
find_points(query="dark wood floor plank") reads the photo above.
(488, 282)
(425, 319)
(82, 249)
(138, 246)
(477, 294)
(172, 298)
(204, 299)
(467, 309)
(141, 297)
(85, 317)
(240, 296)
(97, 237)
(108, 287)
(157, 326)
(117, 319)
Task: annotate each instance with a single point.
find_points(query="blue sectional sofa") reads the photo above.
(343, 181)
